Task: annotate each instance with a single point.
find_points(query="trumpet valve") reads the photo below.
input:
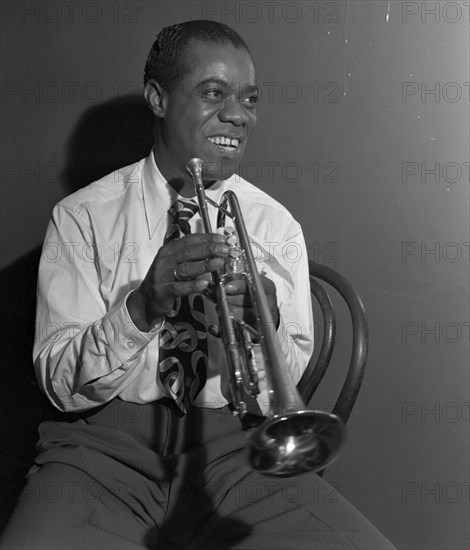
(234, 265)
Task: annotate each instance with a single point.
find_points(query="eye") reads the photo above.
(250, 100)
(213, 94)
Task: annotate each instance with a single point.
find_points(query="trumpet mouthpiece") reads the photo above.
(194, 166)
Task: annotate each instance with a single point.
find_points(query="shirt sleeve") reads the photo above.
(295, 332)
(85, 352)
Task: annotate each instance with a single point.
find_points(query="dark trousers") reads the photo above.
(131, 476)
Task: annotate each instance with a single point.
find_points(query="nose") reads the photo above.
(233, 112)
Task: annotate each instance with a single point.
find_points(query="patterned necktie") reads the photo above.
(183, 340)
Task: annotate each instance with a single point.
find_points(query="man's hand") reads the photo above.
(179, 268)
(240, 304)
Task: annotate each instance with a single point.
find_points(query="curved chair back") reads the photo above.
(315, 371)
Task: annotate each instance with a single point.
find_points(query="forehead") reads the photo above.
(211, 60)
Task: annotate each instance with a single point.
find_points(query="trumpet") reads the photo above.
(292, 439)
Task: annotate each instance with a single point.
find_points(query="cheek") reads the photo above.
(209, 117)
(252, 122)
(185, 134)
(194, 125)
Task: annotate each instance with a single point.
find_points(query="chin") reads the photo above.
(220, 170)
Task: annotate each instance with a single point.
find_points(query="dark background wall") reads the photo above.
(363, 135)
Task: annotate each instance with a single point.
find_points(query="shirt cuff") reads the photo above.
(285, 345)
(125, 338)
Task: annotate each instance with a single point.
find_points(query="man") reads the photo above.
(153, 456)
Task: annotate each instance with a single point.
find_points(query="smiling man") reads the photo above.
(150, 454)
(210, 114)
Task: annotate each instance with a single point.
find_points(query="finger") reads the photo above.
(183, 288)
(239, 286)
(238, 300)
(196, 247)
(245, 313)
(190, 270)
(268, 285)
(235, 287)
(243, 301)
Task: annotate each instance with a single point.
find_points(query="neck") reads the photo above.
(182, 184)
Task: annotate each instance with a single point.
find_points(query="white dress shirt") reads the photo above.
(99, 246)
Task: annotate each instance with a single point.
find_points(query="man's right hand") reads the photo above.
(180, 267)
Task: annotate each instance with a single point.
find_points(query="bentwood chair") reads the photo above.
(315, 371)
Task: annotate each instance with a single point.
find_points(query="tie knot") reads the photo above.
(181, 211)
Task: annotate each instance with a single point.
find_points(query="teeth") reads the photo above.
(224, 141)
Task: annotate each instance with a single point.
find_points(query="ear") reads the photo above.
(155, 96)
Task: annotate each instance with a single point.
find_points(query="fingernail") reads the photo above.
(201, 284)
(223, 248)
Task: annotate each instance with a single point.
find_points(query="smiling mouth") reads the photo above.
(225, 143)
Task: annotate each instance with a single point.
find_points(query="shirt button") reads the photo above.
(130, 345)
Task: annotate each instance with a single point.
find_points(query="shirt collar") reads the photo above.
(158, 195)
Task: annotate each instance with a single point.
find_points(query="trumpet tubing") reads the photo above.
(293, 439)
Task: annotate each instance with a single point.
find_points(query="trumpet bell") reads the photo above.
(296, 442)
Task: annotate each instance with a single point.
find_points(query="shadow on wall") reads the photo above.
(107, 137)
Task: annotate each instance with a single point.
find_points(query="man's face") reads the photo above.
(210, 113)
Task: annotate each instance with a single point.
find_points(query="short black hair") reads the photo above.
(165, 62)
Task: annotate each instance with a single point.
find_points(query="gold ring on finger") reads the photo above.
(177, 276)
